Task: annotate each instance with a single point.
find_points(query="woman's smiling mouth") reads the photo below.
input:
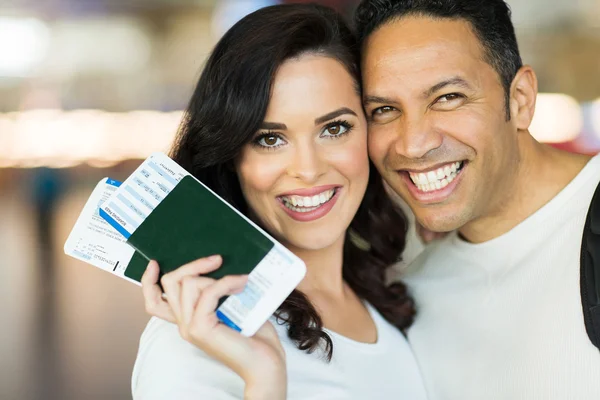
(309, 204)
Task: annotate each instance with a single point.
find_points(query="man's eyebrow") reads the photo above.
(456, 81)
(271, 126)
(333, 114)
(376, 99)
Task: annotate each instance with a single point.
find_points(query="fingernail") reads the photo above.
(214, 257)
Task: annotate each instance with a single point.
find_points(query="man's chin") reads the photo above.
(438, 223)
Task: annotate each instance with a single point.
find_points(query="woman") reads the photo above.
(276, 127)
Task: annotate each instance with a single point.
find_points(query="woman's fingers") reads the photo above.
(191, 288)
(200, 266)
(204, 329)
(190, 299)
(209, 298)
(171, 282)
(153, 300)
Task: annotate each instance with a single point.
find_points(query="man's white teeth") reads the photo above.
(435, 180)
(307, 203)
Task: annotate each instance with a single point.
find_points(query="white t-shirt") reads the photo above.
(167, 367)
(503, 319)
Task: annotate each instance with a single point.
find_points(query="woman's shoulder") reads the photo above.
(169, 367)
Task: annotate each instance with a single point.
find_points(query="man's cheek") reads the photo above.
(375, 150)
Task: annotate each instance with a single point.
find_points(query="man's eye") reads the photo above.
(383, 110)
(384, 114)
(448, 97)
(448, 102)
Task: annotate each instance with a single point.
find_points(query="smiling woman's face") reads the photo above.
(305, 172)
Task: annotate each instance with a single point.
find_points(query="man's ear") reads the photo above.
(523, 94)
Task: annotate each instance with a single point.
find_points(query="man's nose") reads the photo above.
(416, 138)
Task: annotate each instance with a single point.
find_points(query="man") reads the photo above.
(449, 103)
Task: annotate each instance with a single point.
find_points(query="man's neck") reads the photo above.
(543, 172)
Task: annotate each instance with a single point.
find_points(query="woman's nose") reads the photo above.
(307, 163)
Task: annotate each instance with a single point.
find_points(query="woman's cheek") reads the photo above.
(260, 172)
(352, 161)
(259, 177)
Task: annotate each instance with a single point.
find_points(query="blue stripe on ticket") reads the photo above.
(114, 223)
(227, 321)
(112, 182)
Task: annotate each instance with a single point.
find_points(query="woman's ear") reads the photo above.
(523, 95)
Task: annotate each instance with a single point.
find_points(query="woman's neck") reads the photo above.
(323, 270)
(339, 308)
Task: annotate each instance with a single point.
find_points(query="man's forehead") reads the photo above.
(419, 52)
(414, 40)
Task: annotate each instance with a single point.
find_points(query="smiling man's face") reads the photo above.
(438, 131)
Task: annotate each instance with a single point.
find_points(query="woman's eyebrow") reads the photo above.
(271, 126)
(333, 114)
(318, 121)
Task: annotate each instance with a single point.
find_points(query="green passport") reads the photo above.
(191, 223)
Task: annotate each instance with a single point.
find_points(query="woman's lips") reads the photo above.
(310, 212)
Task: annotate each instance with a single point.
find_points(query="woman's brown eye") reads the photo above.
(334, 130)
(270, 140)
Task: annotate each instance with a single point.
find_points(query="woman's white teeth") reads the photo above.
(435, 180)
(307, 203)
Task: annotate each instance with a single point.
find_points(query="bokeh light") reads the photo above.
(557, 118)
(24, 43)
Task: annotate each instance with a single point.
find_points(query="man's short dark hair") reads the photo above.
(489, 19)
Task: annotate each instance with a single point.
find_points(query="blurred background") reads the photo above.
(90, 87)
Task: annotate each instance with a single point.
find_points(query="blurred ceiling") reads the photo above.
(122, 55)
(91, 80)
(51, 8)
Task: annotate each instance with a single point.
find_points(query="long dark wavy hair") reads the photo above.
(225, 112)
